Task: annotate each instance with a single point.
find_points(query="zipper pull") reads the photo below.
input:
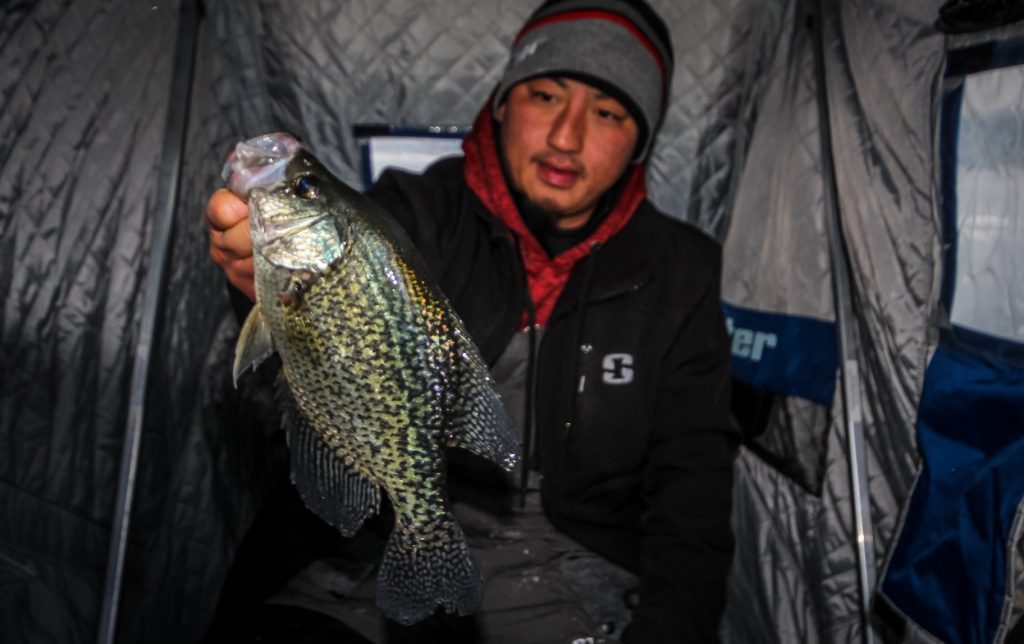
(585, 349)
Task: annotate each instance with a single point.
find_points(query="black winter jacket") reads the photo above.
(632, 391)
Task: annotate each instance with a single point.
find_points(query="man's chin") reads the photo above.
(550, 211)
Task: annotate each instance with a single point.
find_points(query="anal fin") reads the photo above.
(479, 420)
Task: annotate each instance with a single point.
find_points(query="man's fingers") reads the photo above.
(244, 268)
(227, 223)
(236, 241)
(242, 276)
(225, 209)
(227, 218)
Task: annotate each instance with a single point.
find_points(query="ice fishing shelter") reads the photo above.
(860, 160)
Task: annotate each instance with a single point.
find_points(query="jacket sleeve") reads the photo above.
(687, 542)
(390, 192)
(417, 203)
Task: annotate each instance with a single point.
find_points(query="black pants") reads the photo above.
(284, 539)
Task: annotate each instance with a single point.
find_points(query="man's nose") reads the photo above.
(569, 129)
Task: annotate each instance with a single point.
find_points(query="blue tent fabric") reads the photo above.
(787, 354)
(948, 571)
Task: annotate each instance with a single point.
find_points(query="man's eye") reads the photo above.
(542, 96)
(609, 115)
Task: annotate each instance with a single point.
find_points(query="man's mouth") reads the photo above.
(558, 175)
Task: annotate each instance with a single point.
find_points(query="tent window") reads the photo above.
(405, 148)
(983, 183)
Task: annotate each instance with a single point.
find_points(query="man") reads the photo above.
(600, 318)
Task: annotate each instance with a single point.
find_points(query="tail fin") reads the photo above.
(421, 572)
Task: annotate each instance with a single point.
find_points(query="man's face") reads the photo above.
(565, 144)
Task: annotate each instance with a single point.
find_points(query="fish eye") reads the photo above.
(306, 187)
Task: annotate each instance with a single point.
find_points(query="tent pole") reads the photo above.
(168, 179)
(848, 342)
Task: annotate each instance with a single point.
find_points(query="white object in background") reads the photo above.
(410, 153)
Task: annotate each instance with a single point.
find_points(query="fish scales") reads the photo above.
(386, 391)
(373, 384)
(381, 372)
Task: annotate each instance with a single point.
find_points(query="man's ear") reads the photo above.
(499, 114)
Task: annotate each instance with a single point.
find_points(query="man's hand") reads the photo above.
(227, 224)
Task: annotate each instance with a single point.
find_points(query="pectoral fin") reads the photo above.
(254, 344)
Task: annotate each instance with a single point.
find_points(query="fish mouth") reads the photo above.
(252, 170)
(259, 162)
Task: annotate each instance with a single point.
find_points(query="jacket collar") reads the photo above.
(546, 276)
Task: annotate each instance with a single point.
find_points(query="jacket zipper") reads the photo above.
(583, 350)
(529, 399)
(530, 412)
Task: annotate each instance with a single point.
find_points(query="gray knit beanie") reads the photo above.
(620, 46)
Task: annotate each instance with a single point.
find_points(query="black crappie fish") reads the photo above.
(382, 373)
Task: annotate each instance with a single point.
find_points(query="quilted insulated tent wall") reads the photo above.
(858, 159)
